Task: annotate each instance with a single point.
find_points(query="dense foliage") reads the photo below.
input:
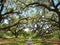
(41, 18)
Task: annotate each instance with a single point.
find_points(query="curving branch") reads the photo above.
(53, 4)
(13, 24)
(38, 4)
(43, 5)
(58, 4)
(35, 3)
(9, 13)
(2, 5)
(5, 15)
(22, 2)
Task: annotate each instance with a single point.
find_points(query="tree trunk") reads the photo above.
(0, 18)
(16, 36)
(59, 23)
(59, 19)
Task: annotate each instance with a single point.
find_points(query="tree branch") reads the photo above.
(13, 24)
(58, 4)
(43, 5)
(38, 4)
(2, 5)
(22, 2)
(53, 3)
(9, 13)
(5, 15)
(35, 3)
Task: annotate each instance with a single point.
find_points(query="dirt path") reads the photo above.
(29, 42)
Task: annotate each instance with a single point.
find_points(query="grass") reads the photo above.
(21, 42)
(14, 44)
(18, 43)
(36, 43)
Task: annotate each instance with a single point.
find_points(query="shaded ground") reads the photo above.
(48, 41)
(9, 41)
(29, 41)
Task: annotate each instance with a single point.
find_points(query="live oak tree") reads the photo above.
(9, 8)
(48, 5)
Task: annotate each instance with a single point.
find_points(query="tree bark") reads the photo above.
(59, 22)
(59, 19)
(16, 35)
